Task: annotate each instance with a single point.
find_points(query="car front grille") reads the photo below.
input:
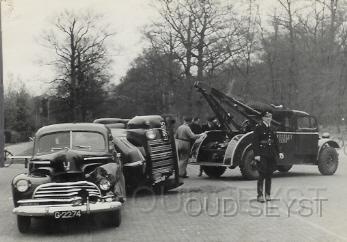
(163, 158)
(65, 191)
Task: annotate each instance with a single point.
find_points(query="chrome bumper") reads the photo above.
(48, 210)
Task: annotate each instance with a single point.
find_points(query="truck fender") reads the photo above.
(326, 142)
(230, 150)
(237, 147)
(194, 152)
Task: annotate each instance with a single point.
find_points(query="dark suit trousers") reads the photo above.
(265, 174)
(260, 184)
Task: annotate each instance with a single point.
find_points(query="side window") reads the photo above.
(313, 123)
(303, 123)
(284, 121)
(306, 123)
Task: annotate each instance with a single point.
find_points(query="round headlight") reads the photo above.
(22, 185)
(105, 184)
(150, 134)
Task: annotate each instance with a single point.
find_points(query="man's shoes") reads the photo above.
(267, 198)
(260, 199)
(184, 176)
(200, 171)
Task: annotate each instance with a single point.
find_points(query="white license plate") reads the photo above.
(67, 214)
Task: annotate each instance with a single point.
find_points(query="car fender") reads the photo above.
(324, 142)
(34, 181)
(131, 155)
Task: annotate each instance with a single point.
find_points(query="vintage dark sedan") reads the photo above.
(74, 170)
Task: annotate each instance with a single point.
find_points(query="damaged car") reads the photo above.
(147, 147)
(74, 171)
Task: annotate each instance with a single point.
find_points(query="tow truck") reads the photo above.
(231, 146)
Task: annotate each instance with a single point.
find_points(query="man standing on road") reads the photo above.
(266, 150)
(184, 137)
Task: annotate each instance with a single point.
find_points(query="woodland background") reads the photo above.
(296, 56)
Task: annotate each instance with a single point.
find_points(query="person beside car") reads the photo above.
(266, 150)
(195, 125)
(184, 137)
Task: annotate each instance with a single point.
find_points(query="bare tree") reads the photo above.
(201, 35)
(243, 62)
(288, 22)
(81, 59)
(270, 47)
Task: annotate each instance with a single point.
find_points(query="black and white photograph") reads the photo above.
(173, 120)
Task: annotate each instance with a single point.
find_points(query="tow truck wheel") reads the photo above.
(328, 161)
(248, 168)
(214, 171)
(284, 168)
(23, 223)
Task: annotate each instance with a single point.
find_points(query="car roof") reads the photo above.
(73, 127)
(111, 120)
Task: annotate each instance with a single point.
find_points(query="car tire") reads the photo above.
(328, 161)
(23, 223)
(284, 168)
(113, 219)
(214, 171)
(248, 168)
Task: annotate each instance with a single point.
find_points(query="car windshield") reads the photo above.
(81, 140)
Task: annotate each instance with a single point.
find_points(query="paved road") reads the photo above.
(306, 207)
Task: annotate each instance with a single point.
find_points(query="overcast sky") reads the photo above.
(24, 20)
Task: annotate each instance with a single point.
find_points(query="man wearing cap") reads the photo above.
(184, 137)
(266, 150)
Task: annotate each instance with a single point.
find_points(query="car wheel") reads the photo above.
(328, 161)
(284, 168)
(248, 168)
(23, 223)
(214, 171)
(113, 219)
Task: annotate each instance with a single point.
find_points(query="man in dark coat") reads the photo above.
(266, 150)
(195, 126)
(211, 124)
